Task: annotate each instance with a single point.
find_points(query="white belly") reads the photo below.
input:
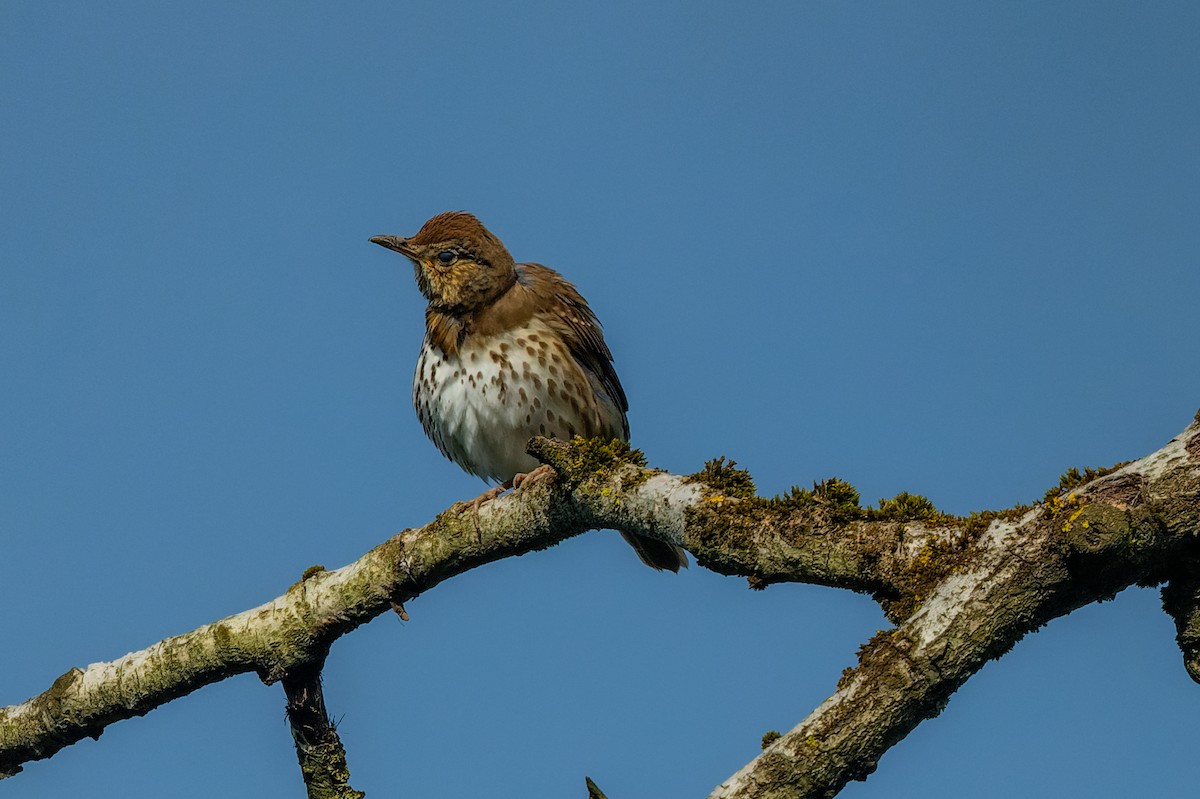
(482, 405)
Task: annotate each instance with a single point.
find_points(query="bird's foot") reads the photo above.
(538, 475)
(520, 480)
(473, 505)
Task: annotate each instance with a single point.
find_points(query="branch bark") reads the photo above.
(961, 591)
(318, 746)
(1132, 526)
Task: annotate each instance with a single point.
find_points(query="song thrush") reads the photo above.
(511, 351)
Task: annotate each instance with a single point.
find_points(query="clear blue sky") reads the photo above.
(945, 248)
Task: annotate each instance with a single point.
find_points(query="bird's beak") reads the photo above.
(397, 243)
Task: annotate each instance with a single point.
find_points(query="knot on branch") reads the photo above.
(1107, 543)
(1110, 528)
(1102, 530)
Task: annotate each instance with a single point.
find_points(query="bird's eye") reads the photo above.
(447, 257)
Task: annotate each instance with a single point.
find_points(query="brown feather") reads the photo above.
(462, 227)
(656, 554)
(541, 291)
(569, 315)
(444, 331)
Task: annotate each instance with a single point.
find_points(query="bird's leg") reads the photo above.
(519, 480)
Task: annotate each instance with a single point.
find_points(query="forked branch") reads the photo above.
(961, 591)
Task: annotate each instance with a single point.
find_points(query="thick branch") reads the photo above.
(964, 591)
(1129, 527)
(599, 488)
(287, 635)
(1181, 595)
(1181, 599)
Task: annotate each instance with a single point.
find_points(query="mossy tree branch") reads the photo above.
(318, 746)
(1181, 594)
(1181, 599)
(1135, 525)
(961, 591)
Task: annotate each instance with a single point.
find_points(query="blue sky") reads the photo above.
(936, 247)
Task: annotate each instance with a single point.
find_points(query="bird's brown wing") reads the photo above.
(568, 313)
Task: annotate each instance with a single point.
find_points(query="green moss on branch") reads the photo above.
(591, 460)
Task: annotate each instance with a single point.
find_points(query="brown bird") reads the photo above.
(511, 351)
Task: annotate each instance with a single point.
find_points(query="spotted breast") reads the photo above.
(483, 397)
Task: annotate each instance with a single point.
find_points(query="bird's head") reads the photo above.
(460, 265)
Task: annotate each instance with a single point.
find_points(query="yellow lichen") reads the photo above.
(1071, 504)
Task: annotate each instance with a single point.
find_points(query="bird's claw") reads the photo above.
(520, 480)
(538, 475)
(473, 505)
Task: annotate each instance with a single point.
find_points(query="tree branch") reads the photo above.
(962, 591)
(287, 635)
(318, 747)
(1081, 546)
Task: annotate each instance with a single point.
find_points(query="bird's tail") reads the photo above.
(657, 554)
